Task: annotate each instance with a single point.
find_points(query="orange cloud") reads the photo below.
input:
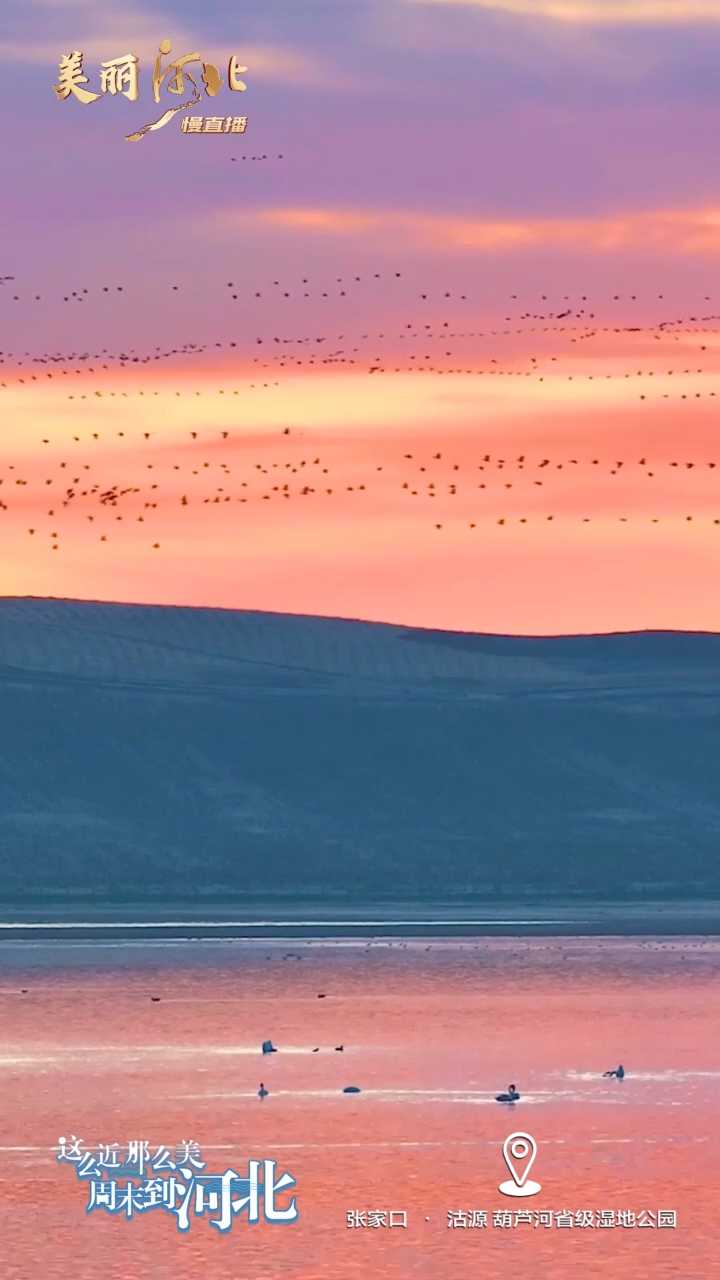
(352, 544)
(596, 12)
(684, 231)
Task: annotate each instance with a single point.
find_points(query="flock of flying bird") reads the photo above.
(262, 157)
(239, 465)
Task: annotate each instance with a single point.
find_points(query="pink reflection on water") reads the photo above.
(430, 1032)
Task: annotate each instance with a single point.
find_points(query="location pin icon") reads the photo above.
(519, 1149)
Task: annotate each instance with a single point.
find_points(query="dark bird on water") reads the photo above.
(512, 1095)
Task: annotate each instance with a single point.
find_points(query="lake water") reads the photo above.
(431, 1030)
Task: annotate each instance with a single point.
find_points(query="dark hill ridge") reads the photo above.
(151, 751)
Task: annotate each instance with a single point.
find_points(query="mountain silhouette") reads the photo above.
(175, 753)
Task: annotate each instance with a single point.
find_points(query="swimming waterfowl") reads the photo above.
(512, 1095)
(618, 1073)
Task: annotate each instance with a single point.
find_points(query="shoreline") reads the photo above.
(178, 923)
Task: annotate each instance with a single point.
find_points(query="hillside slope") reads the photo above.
(186, 752)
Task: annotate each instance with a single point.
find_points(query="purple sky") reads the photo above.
(501, 157)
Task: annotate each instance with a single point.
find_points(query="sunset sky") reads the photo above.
(481, 229)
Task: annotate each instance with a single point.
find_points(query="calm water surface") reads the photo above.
(431, 1031)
